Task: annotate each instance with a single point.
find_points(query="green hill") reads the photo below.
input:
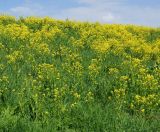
(78, 76)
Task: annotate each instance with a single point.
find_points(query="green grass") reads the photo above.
(72, 76)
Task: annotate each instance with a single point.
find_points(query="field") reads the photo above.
(78, 76)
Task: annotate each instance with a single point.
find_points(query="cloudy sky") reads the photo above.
(141, 12)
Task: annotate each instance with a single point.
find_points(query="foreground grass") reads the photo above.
(72, 76)
(92, 119)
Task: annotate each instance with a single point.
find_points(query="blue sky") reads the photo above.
(141, 12)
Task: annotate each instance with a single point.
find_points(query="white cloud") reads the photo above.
(23, 11)
(108, 17)
(89, 14)
(113, 11)
(105, 11)
(95, 10)
(89, 1)
(28, 9)
(93, 2)
(140, 15)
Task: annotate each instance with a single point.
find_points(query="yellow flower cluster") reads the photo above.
(93, 67)
(52, 65)
(47, 72)
(113, 71)
(15, 31)
(15, 56)
(118, 93)
(146, 102)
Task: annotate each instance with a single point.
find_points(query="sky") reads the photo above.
(139, 12)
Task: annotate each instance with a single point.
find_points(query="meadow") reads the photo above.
(71, 76)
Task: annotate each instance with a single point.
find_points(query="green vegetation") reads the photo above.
(73, 76)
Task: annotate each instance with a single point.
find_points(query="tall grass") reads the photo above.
(72, 76)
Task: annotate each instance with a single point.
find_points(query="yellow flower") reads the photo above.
(73, 105)
(16, 31)
(142, 71)
(119, 92)
(131, 106)
(142, 110)
(93, 67)
(124, 78)
(136, 62)
(149, 77)
(1, 46)
(16, 55)
(113, 71)
(77, 95)
(101, 47)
